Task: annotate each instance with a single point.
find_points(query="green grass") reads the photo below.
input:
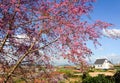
(68, 72)
(100, 70)
(117, 68)
(19, 80)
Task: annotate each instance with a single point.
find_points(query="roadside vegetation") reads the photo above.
(71, 74)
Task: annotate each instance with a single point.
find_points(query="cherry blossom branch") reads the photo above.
(28, 22)
(21, 59)
(7, 35)
(18, 62)
(26, 53)
(4, 41)
(45, 45)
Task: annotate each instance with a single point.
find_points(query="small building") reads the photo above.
(103, 64)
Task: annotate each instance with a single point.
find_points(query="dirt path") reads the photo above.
(105, 73)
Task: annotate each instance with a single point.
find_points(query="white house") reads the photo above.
(103, 64)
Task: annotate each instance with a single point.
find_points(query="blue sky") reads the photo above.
(108, 11)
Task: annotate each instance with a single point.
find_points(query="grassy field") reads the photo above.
(75, 76)
(72, 75)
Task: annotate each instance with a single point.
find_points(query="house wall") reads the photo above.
(98, 66)
(105, 65)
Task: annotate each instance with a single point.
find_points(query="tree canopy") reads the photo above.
(36, 30)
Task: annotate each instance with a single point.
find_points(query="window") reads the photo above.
(99, 65)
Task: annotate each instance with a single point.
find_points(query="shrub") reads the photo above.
(116, 77)
(19, 81)
(91, 70)
(67, 72)
(98, 79)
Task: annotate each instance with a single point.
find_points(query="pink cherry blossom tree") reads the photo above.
(36, 30)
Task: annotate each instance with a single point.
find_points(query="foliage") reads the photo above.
(19, 81)
(100, 70)
(67, 72)
(117, 67)
(61, 82)
(116, 77)
(97, 79)
(91, 71)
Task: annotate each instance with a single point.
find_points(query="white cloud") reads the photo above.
(113, 33)
(22, 38)
(115, 58)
